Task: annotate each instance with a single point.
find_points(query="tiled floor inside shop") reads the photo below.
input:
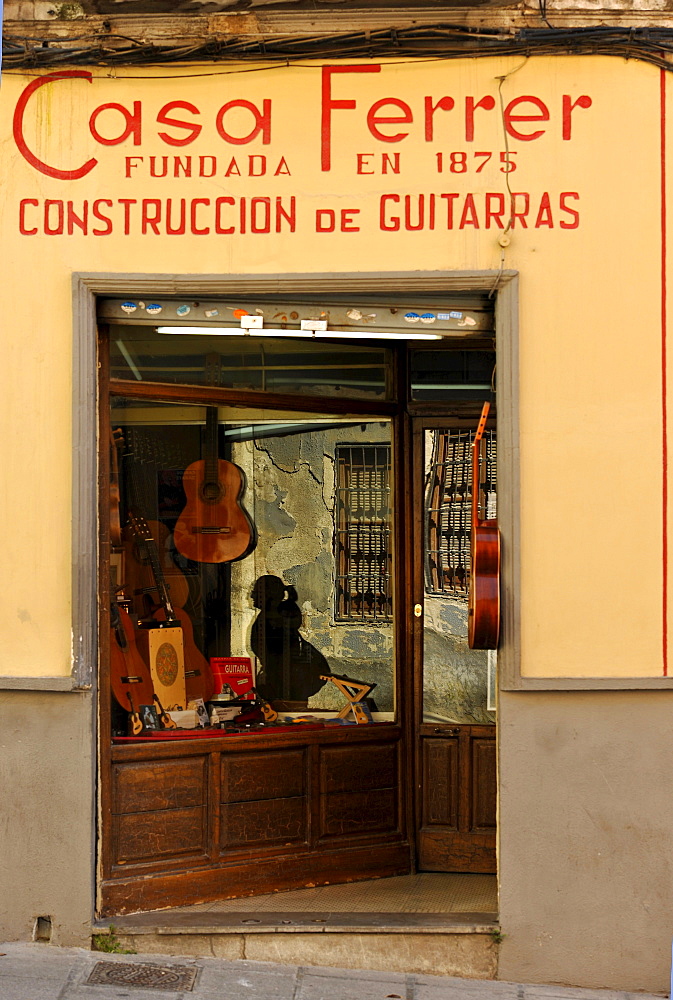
(422, 893)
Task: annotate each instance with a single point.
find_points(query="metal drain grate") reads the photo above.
(155, 977)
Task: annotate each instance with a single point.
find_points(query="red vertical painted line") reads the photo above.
(664, 387)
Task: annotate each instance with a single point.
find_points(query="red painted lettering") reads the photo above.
(22, 218)
(348, 222)
(75, 220)
(97, 214)
(194, 228)
(487, 103)
(443, 104)
(133, 123)
(19, 112)
(392, 224)
(151, 215)
(568, 106)
(543, 116)
(262, 122)
(544, 216)
(575, 216)
(181, 227)
(374, 120)
(220, 229)
(50, 230)
(491, 213)
(328, 105)
(362, 163)
(193, 128)
(325, 220)
(521, 216)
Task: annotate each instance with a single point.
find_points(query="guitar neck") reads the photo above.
(143, 533)
(476, 446)
(210, 467)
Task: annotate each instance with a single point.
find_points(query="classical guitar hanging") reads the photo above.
(484, 600)
(213, 527)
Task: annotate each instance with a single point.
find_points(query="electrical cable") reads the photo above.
(653, 45)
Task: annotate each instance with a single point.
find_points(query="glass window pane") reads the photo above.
(240, 513)
(457, 680)
(271, 364)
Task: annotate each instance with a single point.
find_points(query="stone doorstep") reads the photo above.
(431, 944)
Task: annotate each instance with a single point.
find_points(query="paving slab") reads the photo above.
(312, 987)
(43, 972)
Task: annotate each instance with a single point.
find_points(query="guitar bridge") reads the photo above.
(211, 529)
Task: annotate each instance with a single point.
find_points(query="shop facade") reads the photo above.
(321, 300)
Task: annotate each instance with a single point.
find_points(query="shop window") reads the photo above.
(251, 576)
(362, 534)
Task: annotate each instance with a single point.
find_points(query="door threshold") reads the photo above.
(169, 922)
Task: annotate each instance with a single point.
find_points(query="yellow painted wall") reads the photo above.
(590, 303)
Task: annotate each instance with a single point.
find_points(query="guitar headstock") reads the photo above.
(140, 526)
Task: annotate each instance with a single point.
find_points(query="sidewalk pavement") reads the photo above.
(42, 972)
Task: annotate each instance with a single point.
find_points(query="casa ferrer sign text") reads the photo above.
(346, 148)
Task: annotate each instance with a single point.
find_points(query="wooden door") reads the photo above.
(456, 745)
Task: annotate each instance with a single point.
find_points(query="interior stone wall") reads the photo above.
(291, 498)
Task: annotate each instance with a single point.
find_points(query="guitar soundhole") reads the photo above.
(211, 492)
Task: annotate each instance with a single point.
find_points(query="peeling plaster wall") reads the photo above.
(291, 498)
(455, 678)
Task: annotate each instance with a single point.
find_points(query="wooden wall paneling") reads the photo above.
(151, 836)
(160, 810)
(214, 790)
(265, 874)
(358, 790)
(263, 799)
(313, 791)
(262, 823)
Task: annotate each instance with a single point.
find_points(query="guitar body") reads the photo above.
(140, 582)
(213, 527)
(199, 681)
(130, 678)
(483, 623)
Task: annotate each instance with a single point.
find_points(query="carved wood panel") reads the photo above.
(272, 775)
(484, 791)
(440, 783)
(358, 790)
(269, 821)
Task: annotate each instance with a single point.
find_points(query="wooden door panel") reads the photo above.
(440, 783)
(458, 799)
(483, 785)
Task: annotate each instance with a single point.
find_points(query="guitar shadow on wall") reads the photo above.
(290, 666)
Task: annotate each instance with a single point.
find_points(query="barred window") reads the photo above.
(362, 534)
(448, 507)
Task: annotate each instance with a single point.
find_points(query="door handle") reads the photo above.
(447, 732)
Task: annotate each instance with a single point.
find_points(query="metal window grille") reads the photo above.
(448, 508)
(362, 534)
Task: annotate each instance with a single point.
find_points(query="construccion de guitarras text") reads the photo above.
(226, 216)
